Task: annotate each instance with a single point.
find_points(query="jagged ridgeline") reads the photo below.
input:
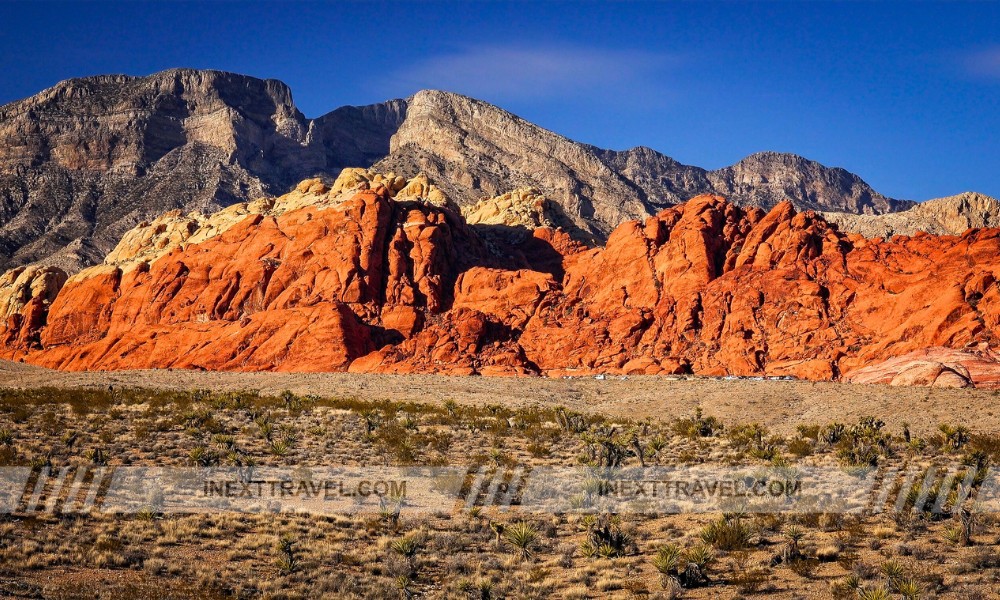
(87, 160)
(383, 274)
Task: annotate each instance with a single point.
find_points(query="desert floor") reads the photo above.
(58, 422)
(780, 405)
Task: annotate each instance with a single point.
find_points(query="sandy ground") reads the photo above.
(781, 405)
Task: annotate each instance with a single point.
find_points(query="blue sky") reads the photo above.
(904, 94)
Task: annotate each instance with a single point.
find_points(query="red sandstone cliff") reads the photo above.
(363, 282)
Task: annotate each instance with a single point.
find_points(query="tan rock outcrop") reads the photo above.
(25, 296)
(525, 207)
(944, 216)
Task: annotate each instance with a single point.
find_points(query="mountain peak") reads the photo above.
(951, 215)
(770, 177)
(84, 161)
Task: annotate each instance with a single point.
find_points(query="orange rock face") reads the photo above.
(378, 285)
(310, 290)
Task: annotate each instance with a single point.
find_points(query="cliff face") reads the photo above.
(87, 160)
(358, 278)
(768, 178)
(943, 216)
(474, 149)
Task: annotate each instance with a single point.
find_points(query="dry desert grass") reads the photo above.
(487, 553)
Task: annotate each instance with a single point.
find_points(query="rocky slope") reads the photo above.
(474, 149)
(366, 278)
(768, 178)
(85, 161)
(943, 216)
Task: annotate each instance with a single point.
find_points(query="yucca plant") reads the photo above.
(668, 559)
(608, 537)
(846, 587)
(99, 457)
(403, 585)
(701, 556)
(852, 581)
(279, 447)
(794, 533)
(287, 561)
(894, 573)
(405, 546)
(956, 437)
(909, 589)
(875, 593)
(522, 536)
(668, 562)
(953, 534)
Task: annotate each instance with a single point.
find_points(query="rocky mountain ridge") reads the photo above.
(943, 216)
(407, 285)
(86, 160)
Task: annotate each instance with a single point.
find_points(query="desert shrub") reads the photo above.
(83, 401)
(800, 447)
(988, 444)
(755, 440)
(808, 432)
(697, 426)
(752, 580)
(727, 534)
(865, 443)
(607, 538)
(803, 566)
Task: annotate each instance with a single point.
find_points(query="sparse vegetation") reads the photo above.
(479, 552)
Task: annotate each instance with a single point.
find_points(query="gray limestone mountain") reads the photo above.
(83, 162)
(472, 149)
(943, 216)
(86, 160)
(767, 178)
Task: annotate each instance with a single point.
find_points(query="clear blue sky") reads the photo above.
(905, 95)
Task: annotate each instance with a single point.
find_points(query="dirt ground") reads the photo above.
(53, 423)
(780, 405)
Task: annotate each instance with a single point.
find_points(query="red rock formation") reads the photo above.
(312, 289)
(938, 367)
(377, 285)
